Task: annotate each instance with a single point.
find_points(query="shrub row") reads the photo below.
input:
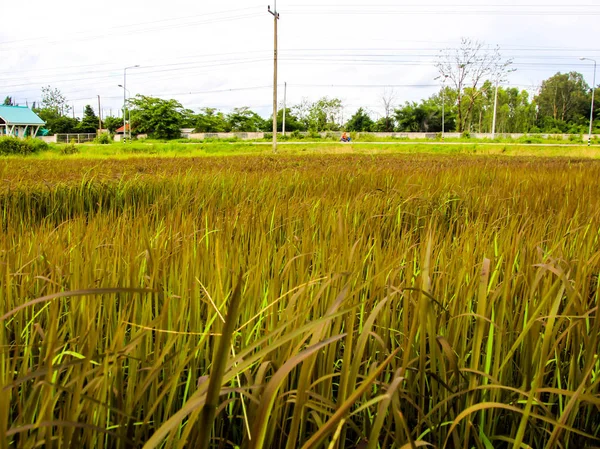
(12, 145)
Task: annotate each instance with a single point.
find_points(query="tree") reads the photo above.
(563, 100)
(423, 117)
(468, 66)
(156, 117)
(245, 120)
(54, 100)
(360, 121)
(8, 101)
(89, 122)
(209, 120)
(113, 123)
(292, 123)
(325, 115)
(387, 98)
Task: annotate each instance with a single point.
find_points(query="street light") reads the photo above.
(496, 103)
(443, 100)
(125, 113)
(125, 100)
(592, 107)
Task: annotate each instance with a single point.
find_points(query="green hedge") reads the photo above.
(12, 145)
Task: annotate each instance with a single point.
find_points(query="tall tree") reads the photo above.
(156, 117)
(112, 123)
(53, 99)
(325, 114)
(245, 120)
(360, 121)
(89, 122)
(563, 99)
(468, 66)
(387, 99)
(209, 120)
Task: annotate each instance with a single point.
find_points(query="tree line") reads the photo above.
(472, 76)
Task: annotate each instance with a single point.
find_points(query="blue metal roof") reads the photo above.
(19, 115)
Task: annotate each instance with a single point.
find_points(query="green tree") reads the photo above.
(8, 101)
(467, 67)
(209, 120)
(563, 100)
(360, 121)
(89, 122)
(325, 115)
(156, 117)
(419, 117)
(292, 122)
(53, 99)
(113, 123)
(56, 123)
(245, 120)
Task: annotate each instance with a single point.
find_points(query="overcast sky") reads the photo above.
(220, 54)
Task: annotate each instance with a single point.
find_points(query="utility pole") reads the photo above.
(275, 15)
(99, 115)
(592, 107)
(284, 99)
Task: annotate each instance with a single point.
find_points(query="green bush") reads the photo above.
(530, 139)
(466, 135)
(297, 135)
(12, 145)
(576, 138)
(103, 139)
(314, 135)
(69, 148)
(268, 136)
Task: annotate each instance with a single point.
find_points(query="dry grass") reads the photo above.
(386, 301)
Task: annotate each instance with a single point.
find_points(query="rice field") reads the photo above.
(318, 301)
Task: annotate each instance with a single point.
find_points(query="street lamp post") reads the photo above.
(125, 112)
(443, 101)
(125, 101)
(496, 103)
(592, 106)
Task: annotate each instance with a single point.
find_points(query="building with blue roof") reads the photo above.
(19, 121)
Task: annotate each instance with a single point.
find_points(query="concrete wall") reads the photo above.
(48, 139)
(374, 136)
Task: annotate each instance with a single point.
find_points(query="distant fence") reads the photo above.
(76, 138)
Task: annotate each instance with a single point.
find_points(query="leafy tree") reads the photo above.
(468, 66)
(8, 101)
(89, 122)
(563, 100)
(156, 117)
(325, 114)
(292, 122)
(423, 117)
(56, 123)
(245, 120)
(209, 120)
(360, 121)
(54, 100)
(113, 123)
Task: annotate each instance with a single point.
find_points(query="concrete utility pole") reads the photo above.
(284, 99)
(275, 15)
(99, 115)
(125, 103)
(592, 107)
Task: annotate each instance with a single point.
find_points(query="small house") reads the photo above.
(19, 121)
